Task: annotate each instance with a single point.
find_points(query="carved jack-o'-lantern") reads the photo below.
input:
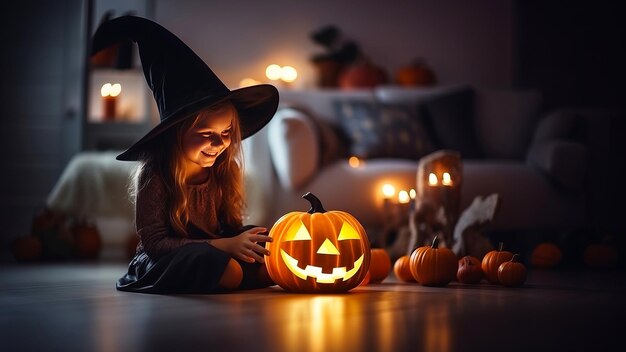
(318, 250)
(439, 177)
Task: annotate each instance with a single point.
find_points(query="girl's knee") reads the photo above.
(232, 276)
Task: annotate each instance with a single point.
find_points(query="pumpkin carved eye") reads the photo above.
(348, 233)
(298, 232)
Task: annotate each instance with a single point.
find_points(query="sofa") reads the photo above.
(509, 145)
(555, 171)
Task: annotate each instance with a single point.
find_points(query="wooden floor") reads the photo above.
(70, 307)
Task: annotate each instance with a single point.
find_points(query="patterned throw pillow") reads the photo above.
(382, 131)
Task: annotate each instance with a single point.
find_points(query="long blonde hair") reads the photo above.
(165, 160)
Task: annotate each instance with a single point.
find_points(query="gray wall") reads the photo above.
(464, 41)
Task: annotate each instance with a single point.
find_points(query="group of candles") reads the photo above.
(404, 197)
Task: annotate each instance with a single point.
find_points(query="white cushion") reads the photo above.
(293, 144)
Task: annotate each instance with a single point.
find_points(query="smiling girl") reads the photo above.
(189, 196)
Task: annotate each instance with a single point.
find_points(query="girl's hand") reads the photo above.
(245, 245)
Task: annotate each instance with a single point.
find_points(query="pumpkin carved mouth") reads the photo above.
(316, 271)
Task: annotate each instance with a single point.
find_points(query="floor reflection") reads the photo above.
(357, 322)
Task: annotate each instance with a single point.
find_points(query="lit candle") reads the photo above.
(403, 197)
(412, 195)
(446, 181)
(273, 72)
(388, 191)
(109, 93)
(288, 74)
(355, 162)
(432, 179)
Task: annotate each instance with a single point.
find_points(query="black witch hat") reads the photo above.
(182, 84)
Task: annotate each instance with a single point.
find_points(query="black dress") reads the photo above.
(192, 268)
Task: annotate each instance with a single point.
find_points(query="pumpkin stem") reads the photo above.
(501, 247)
(435, 242)
(515, 258)
(316, 204)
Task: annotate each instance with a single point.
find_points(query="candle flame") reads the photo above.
(403, 197)
(109, 89)
(412, 193)
(353, 161)
(447, 181)
(273, 72)
(288, 74)
(388, 190)
(432, 179)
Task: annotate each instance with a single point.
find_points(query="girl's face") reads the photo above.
(208, 138)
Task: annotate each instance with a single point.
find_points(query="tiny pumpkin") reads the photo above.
(433, 266)
(402, 269)
(362, 75)
(469, 271)
(87, 241)
(318, 251)
(491, 262)
(546, 256)
(418, 73)
(380, 264)
(27, 248)
(600, 256)
(512, 273)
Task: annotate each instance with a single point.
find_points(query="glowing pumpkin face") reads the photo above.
(318, 251)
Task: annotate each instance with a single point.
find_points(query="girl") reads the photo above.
(188, 195)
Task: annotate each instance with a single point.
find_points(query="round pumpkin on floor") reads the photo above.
(416, 74)
(433, 266)
(402, 269)
(512, 273)
(27, 248)
(491, 262)
(546, 256)
(87, 241)
(380, 264)
(318, 251)
(469, 271)
(600, 256)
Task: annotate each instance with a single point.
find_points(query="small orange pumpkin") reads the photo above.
(318, 251)
(416, 74)
(380, 264)
(402, 269)
(491, 262)
(546, 256)
(87, 241)
(600, 256)
(362, 75)
(27, 248)
(512, 273)
(469, 270)
(432, 266)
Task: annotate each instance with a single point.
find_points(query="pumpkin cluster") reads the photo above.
(433, 266)
(56, 237)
